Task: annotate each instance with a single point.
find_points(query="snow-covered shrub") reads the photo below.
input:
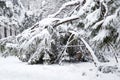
(8, 46)
(108, 69)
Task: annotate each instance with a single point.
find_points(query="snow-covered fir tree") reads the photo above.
(11, 16)
(35, 10)
(79, 31)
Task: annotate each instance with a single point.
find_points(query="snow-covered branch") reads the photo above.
(96, 62)
(65, 20)
(68, 4)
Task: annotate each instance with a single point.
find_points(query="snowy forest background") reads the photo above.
(61, 31)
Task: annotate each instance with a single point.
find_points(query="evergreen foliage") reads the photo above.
(79, 31)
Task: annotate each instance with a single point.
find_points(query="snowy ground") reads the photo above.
(13, 69)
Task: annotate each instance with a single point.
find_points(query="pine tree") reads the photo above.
(80, 30)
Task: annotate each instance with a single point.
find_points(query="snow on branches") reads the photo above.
(58, 37)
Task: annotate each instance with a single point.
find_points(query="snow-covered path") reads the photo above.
(13, 69)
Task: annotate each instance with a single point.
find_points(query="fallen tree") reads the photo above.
(70, 38)
(44, 41)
